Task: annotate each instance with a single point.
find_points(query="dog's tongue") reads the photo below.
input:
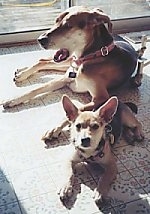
(61, 55)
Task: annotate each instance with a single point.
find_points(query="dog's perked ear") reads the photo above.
(98, 17)
(108, 109)
(70, 109)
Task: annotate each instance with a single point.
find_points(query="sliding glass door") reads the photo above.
(28, 15)
(25, 19)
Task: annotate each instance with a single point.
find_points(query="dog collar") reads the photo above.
(104, 51)
(98, 153)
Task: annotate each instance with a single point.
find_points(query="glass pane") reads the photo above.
(26, 15)
(119, 9)
(31, 15)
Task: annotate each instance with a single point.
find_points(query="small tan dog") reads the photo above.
(92, 133)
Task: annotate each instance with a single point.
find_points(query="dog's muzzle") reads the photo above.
(43, 41)
(85, 142)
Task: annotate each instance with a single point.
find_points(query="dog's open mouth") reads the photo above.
(61, 55)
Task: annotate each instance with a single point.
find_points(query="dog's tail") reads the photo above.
(132, 106)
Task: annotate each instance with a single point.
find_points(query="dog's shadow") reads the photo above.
(83, 182)
(83, 192)
(43, 76)
(125, 93)
(86, 180)
(62, 140)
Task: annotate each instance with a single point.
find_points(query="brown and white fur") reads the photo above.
(77, 33)
(92, 143)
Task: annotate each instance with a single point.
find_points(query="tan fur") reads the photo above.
(81, 31)
(87, 130)
(93, 128)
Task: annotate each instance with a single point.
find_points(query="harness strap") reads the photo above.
(100, 149)
(104, 51)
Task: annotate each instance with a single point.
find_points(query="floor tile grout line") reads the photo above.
(132, 201)
(24, 171)
(143, 188)
(136, 179)
(126, 167)
(37, 194)
(16, 197)
(15, 202)
(42, 194)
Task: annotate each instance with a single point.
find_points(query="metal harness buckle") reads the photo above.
(104, 51)
(72, 74)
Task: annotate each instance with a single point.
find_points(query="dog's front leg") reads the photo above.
(101, 192)
(46, 88)
(54, 133)
(67, 190)
(24, 73)
(105, 181)
(49, 64)
(95, 103)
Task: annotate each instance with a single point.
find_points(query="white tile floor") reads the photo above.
(30, 174)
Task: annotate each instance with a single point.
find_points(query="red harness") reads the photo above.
(104, 51)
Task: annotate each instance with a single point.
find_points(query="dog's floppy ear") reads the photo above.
(108, 109)
(98, 17)
(70, 109)
(61, 16)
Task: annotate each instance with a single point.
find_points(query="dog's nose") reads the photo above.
(85, 142)
(43, 40)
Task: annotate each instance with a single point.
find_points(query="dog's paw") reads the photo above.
(20, 75)
(98, 198)
(10, 104)
(135, 135)
(65, 193)
(50, 135)
(139, 137)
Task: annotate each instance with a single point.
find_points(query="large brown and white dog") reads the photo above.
(92, 134)
(94, 60)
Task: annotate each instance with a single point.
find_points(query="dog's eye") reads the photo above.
(78, 126)
(94, 126)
